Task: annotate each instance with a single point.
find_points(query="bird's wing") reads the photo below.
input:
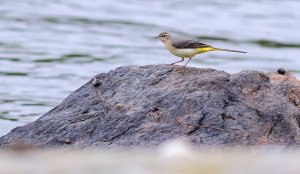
(182, 44)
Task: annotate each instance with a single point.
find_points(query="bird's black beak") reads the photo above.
(156, 37)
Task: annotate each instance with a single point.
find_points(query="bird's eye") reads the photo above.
(163, 35)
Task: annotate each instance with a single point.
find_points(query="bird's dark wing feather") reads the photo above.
(181, 44)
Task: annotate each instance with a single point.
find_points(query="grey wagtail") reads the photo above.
(186, 48)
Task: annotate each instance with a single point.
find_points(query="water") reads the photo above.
(49, 48)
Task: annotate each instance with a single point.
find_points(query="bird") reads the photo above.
(187, 48)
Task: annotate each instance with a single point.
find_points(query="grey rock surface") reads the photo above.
(148, 105)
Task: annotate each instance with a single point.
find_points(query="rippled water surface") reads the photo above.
(49, 48)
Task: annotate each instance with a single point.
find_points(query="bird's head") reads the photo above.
(164, 36)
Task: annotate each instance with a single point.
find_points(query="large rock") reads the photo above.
(151, 104)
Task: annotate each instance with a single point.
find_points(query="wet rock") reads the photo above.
(144, 106)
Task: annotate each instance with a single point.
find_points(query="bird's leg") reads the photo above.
(178, 61)
(188, 61)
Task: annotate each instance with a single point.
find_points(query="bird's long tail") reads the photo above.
(236, 51)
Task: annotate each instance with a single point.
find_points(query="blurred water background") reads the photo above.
(49, 48)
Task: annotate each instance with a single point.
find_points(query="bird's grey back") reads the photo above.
(187, 43)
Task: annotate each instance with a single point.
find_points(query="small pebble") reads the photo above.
(96, 82)
(68, 141)
(282, 71)
(119, 106)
